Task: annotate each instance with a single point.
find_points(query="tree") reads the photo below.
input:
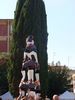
(3, 76)
(18, 10)
(58, 80)
(31, 21)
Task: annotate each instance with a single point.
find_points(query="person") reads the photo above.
(23, 87)
(31, 95)
(31, 85)
(37, 87)
(21, 94)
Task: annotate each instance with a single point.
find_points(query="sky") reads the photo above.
(60, 27)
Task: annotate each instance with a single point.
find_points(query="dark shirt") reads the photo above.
(30, 64)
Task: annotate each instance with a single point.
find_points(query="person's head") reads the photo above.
(55, 97)
(30, 38)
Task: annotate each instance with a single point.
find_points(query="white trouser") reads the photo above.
(37, 76)
(31, 75)
(23, 77)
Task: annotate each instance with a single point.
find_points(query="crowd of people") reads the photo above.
(29, 90)
(32, 96)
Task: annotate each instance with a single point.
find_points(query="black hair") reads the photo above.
(30, 38)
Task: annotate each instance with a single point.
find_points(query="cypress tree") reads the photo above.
(31, 21)
(18, 10)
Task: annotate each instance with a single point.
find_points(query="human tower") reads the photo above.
(30, 67)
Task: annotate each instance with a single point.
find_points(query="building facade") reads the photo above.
(5, 34)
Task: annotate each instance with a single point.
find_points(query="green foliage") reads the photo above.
(3, 76)
(18, 10)
(58, 80)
